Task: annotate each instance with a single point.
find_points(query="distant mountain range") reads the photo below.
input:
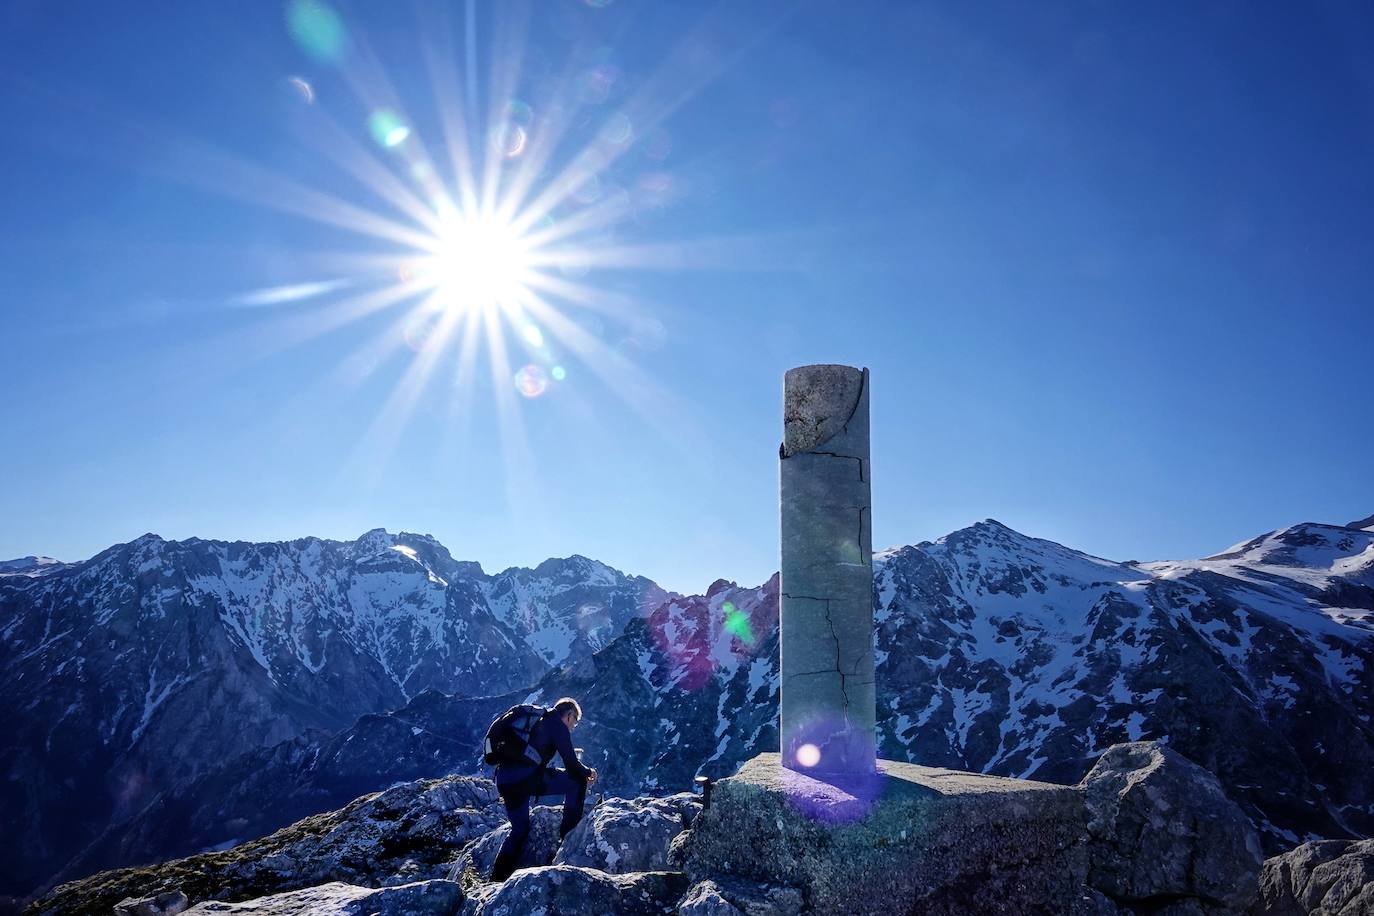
(156, 660)
(173, 696)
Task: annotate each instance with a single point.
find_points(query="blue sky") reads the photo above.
(1109, 268)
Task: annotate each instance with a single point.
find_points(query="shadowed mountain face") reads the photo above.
(996, 652)
(156, 661)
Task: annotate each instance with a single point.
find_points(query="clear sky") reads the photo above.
(1110, 266)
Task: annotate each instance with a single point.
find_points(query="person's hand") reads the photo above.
(591, 776)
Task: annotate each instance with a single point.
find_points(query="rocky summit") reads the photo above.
(177, 697)
(1148, 832)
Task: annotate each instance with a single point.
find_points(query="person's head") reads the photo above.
(569, 711)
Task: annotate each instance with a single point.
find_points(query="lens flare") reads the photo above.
(533, 336)
(589, 192)
(318, 30)
(509, 140)
(618, 130)
(737, 624)
(594, 85)
(307, 92)
(558, 373)
(531, 381)
(387, 128)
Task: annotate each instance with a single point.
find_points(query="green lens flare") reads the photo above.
(737, 624)
(387, 128)
(317, 29)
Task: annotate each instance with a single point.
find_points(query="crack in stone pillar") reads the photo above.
(827, 707)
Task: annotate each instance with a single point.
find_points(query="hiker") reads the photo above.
(526, 775)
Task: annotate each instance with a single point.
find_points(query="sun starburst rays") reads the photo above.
(490, 234)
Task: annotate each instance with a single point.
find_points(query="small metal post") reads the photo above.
(705, 784)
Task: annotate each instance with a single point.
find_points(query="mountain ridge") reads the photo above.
(997, 652)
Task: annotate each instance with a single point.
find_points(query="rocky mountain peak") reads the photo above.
(1317, 549)
(1365, 523)
(29, 566)
(576, 568)
(719, 586)
(373, 542)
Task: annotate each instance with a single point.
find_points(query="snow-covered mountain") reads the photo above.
(996, 652)
(139, 669)
(567, 609)
(1012, 655)
(30, 566)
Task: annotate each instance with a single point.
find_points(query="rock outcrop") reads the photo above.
(629, 834)
(566, 890)
(1161, 829)
(167, 903)
(421, 898)
(405, 834)
(1147, 833)
(1327, 878)
(910, 839)
(540, 846)
(735, 897)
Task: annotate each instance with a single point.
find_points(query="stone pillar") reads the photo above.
(827, 703)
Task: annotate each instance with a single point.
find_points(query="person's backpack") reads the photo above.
(508, 736)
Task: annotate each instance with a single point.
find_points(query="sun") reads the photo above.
(478, 262)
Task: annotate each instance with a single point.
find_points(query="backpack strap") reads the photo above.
(530, 752)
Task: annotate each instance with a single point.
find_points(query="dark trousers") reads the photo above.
(516, 797)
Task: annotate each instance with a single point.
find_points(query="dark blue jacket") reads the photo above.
(549, 735)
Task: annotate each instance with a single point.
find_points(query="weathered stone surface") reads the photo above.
(567, 890)
(1161, 827)
(1326, 878)
(421, 898)
(817, 403)
(407, 833)
(1091, 902)
(168, 903)
(827, 697)
(912, 839)
(627, 835)
(737, 897)
(677, 849)
(540, 848)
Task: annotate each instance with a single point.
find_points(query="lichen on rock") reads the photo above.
(1162, 828)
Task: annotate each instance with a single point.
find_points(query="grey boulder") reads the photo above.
(567, 890)
(911, 839)
(1326, 878)
(736, 897)
(1160, 828)
(168, 903)
(629, 834)
(421, 898)
(540, 847)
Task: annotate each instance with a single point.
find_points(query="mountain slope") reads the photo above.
(996, 652)
(567, 609)
(139, 669)
(1016, 656)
